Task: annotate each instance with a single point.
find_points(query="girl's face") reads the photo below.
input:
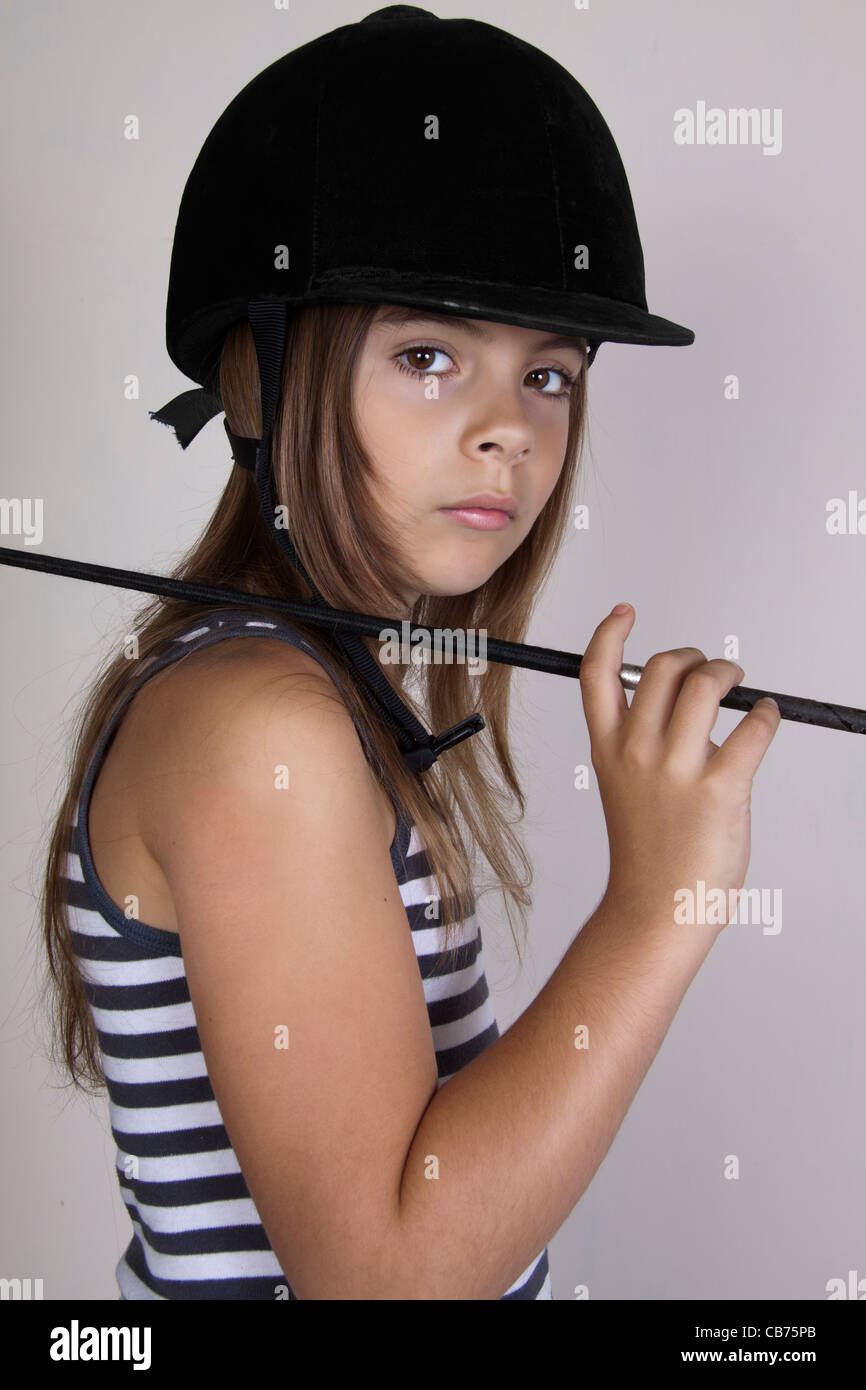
(448, 408)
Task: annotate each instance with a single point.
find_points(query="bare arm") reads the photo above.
(290, 918)
(520, 1132)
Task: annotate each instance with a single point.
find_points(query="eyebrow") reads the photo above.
(396, 314)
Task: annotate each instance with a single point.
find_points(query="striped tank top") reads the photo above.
(196, 1231)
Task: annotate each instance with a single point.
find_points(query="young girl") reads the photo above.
(259, 915)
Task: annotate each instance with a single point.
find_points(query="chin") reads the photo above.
(455, 585)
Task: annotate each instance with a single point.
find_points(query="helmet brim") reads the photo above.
(555, 311)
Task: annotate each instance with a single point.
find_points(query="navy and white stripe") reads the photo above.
(196, 1231)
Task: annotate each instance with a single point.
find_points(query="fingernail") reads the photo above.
(620, 608)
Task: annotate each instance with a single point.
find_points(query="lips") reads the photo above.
(479, 518)
(485, 501)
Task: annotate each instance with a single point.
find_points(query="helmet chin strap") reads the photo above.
(268, 319)
(189, 412)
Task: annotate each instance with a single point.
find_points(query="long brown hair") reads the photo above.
(324, 478)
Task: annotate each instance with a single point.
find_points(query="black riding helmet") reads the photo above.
(403, 159)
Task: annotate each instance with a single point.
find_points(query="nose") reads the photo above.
(492, 444)
(501, 424)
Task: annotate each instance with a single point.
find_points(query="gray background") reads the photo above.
(707, 514)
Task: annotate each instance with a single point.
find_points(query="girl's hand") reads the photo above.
(677, 806)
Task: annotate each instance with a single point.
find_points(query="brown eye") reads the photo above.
(554, 371)
(420, 352)
(425, 351)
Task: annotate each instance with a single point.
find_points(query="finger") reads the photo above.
(696, 711)
(744, 748)
(658, 689)
(601, 689)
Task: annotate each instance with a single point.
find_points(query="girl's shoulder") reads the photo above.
(197, 699)
(234, 660)
(170, 732)
(168, 715)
